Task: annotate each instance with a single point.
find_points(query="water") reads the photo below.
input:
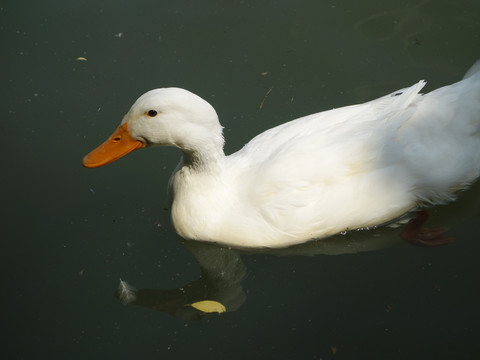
(70, 234)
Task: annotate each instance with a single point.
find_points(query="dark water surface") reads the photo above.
(70, 234)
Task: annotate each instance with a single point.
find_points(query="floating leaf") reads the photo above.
(81, 58)
(209, 306)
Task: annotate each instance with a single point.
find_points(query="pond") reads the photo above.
(72, 69)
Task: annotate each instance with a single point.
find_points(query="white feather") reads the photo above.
(126, 293)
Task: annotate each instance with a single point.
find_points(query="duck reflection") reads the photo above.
(222, 271)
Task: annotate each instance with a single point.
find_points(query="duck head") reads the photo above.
(162, 117)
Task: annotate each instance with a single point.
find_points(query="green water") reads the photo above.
(70, 234)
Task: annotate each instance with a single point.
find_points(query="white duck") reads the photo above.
(349, 168)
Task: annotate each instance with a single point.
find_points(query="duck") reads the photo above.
(351, 168)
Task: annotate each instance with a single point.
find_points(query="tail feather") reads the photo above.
(408, 95)
(473, 70)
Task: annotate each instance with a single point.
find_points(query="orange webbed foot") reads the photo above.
(415, 234)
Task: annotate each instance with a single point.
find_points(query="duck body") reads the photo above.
(350, 168)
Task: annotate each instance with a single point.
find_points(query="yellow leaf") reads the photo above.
(209, 306)
(81, 58)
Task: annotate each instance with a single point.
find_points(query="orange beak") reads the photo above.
(116, 146)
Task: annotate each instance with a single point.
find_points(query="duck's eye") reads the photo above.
(152, 113)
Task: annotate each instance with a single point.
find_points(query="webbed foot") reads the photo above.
(415, 234)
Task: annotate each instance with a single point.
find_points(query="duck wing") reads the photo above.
(311, 176)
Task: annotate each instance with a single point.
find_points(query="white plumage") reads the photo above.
(338, 170)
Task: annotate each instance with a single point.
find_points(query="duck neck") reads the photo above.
(194, 165)
(208, 158)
